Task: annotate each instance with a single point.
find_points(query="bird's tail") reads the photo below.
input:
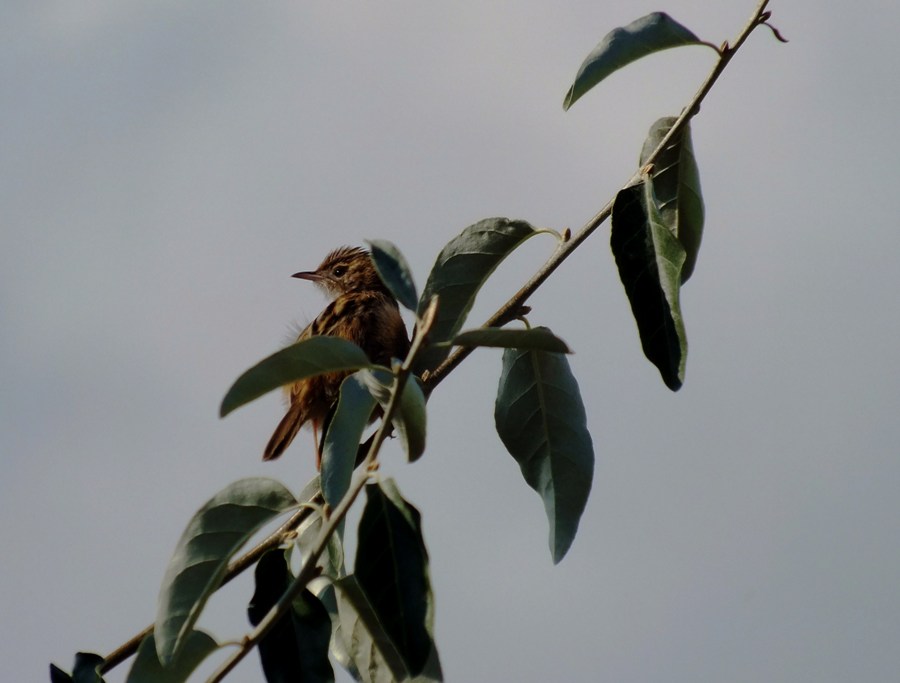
(285, 432)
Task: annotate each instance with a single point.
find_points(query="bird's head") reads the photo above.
(344, 270)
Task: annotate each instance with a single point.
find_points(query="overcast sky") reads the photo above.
(164, 168)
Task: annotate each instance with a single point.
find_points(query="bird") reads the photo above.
(364, 311)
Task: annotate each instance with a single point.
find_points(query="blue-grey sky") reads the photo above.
(166, 166)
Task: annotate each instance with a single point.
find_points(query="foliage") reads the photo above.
(377, 620)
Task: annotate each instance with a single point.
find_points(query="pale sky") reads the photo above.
(166, 166)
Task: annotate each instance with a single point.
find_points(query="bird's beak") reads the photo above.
(308, 275)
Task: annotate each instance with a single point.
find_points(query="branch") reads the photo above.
(567, 246)
(309, 570)
(510, 310)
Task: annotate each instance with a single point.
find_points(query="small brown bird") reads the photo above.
(364, 312)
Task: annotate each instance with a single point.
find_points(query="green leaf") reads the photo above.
(394, 272)
(392, 570)
(541, 420)
(650, 258)
(306, 358)
(626, 44)
(410, 419)
(311, 490)
(372, 652)
(360, 644)
(85, 670)
(354, 409)
(296, 649)
(537, 338)
(332, 558)
(57, 675)
(676, 182)
(460, 270)
(148, 669)
(340, 649)
(213, 535)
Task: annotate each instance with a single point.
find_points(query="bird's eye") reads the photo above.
(339, 271)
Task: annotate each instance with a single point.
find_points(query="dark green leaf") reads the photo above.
(354, 409)
(313, 356)
(432, 672)
(374, 656)
(459, 272)
(676, 182)
(394, 272)
(312, 628)
(360, 644)
(86, 670)
(649, 258)
(623, 45)
(538, 338)
(57, 675)
(215, 533)
(410, 418)
(541, 420)
(392, 570)
(147, 668)
(296, 648)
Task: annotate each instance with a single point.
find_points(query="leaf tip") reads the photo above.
(674, 383)
(229, 403)
(394, 271)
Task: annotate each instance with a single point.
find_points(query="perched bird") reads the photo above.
(364, 312)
